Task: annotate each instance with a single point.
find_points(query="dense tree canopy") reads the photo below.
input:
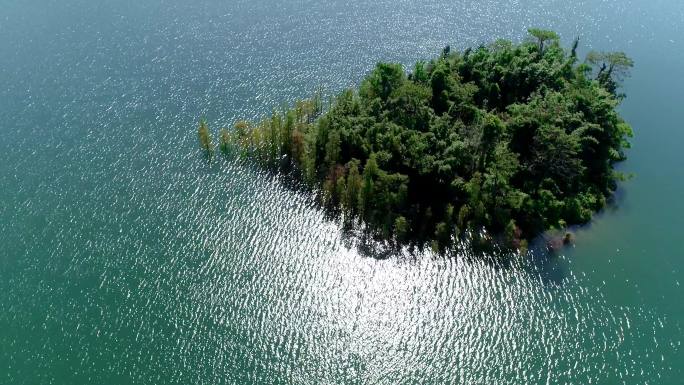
(512, 138)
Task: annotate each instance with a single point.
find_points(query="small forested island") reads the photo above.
(506, 139)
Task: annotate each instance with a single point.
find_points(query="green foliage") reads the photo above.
(332, 148)
(512, 138)
(224, 141)
(386, 78)
(542, 36)
(401, 228)
(611, 68)
(353, 187)
(419, 74)
(205, 137)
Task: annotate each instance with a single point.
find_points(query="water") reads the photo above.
(126, 259)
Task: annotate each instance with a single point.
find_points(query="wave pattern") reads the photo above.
(126, 258)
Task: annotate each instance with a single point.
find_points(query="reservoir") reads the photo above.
(126, 259)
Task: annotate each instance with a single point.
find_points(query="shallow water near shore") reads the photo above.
(126, 259)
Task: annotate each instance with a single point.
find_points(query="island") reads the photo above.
(506, 139)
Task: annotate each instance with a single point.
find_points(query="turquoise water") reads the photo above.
(126, 259)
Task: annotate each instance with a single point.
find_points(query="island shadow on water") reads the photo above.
(540, 258)
(543, 257)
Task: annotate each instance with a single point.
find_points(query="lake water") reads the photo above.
(126, 259)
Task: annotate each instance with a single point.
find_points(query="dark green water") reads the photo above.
(125, 259)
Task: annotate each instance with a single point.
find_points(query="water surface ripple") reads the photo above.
(127, 259)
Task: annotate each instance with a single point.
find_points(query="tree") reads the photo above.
(419, 74)
(332, 149)
(353, 185)
(384, 79)
(205, 137)
(542, 36)
(497, 190)
(612, 67)
(492, 129)
(573, 51)
(298, 148)
(442, 234)
(401, 228)
(501, 170)
(242, 129)
(224, 141)
(556, 156)
(340, 188)
(370, 172)
(442, 87)
(286, 134)
(446, 51)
